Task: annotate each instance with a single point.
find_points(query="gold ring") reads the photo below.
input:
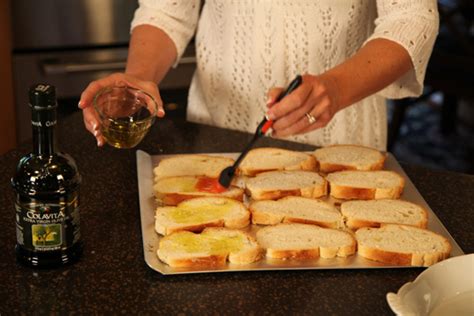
(311, 119)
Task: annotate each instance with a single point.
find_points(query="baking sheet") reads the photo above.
(145, 165)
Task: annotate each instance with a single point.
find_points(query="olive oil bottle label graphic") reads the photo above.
(42, 226)
(46, 236)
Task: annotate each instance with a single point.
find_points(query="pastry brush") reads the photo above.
(228, 173)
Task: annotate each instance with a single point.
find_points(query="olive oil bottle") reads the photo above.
(46, 183)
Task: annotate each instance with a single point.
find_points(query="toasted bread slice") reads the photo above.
(196, 214)
(373, 213)
(366, 185)
(301, 241)
(260, 160)
(402, 245)
(174, 190)
(295, 209)
(348, 157)
(277, 184)
(213, 247)
(192, 165)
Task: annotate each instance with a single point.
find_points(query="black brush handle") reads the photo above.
(265, 124)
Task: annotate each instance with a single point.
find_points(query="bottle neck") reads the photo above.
(43, 125)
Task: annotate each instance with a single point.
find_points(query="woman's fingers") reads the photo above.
(91, 90)
(152, 89)
(92, 124)
(120, 79)
(291, 102)
(309, 107)
(91, 119)
(292, 123)
(272, 96)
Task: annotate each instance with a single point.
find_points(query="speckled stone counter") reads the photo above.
(112, 277)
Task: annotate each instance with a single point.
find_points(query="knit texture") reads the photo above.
(246, 47)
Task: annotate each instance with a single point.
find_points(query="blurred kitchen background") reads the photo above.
(67, 44)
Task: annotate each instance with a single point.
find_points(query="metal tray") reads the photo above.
(145, 165)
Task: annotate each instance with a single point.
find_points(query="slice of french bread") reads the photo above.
(373, 213)
(192, 165)
(260, 160)
(402, 245)
(213, 247)
(365, 185)
(302, 241)
(273, 185)
(348, 157)
(295, 209)
(196, 214)
(173, 190)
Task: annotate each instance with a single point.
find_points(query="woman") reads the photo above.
(354, 55)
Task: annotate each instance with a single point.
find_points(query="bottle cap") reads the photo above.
(42, 97)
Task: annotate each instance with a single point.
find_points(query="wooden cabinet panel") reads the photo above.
(7, 112)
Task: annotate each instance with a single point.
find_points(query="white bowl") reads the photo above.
(446, 288)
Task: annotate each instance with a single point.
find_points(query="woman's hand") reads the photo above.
(316, 98)
(91, 120)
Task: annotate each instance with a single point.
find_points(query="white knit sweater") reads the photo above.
(245, 47)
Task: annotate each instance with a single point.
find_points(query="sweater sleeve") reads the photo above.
(414, 25)
(177, 18)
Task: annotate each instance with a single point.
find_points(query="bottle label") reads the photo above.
(47, 225)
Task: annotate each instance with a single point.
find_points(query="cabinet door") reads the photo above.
(7, 116)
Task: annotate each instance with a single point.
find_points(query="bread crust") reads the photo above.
(264, 218)
(399, 259)
(405, 258)
(301, 254)
(328, 167)
(196, 228)
(277, 251)
(354, 223)
(350, 193)
(205, 261)
(249, 254)
(174, 199)
(310, 164)
(244, 257)
(305, 254)
(224, 161)
(166, 226)
(359, 193)
(311, 192)
(309, 222)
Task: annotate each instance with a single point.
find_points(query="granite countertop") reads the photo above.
(112, 276)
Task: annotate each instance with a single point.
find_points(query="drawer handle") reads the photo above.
(51, 68)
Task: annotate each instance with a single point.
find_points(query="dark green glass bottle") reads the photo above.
(46, 183)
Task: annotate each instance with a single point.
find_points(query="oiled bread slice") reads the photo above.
(196, 214)
(277, 184)
(213, 247)
(173, 190)
(348, 157)
(302, 241)
(365, 185)
(373, 213)
(271, 159)
(192, 165)
(402, 245)
(295, 209)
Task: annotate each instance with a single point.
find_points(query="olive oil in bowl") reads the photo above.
(126, 114)
(122, 133)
